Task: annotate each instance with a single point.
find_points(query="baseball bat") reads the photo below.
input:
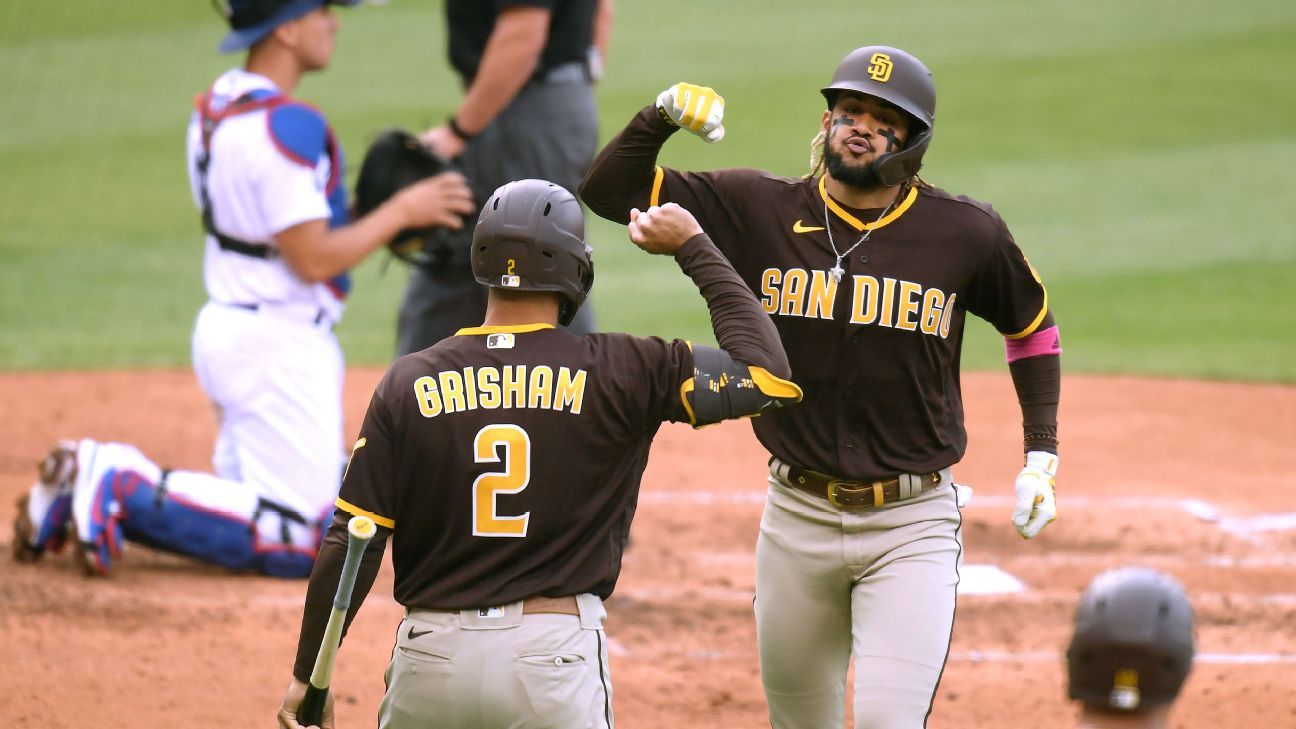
(311, 711)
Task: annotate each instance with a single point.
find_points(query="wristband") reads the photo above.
(458, 130)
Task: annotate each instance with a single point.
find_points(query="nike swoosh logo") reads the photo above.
(412, 634)
(797, 227)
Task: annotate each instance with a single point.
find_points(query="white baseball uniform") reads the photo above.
(263, 350)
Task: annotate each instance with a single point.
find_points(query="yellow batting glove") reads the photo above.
(1036, 494)
(698, 109)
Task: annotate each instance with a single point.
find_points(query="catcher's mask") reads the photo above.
(252, 20)
(394, 160)
(531, 237)
(894, 76)
(1133, 641)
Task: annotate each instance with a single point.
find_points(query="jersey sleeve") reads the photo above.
(368, 484)
(649, 373)
(717, 198)
(1006, 290)
(294, 178)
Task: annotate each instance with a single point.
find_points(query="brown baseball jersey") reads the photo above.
(876, 354)
(507, 460)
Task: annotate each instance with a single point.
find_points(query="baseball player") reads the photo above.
(1131, 650)
(266, 175)
(868, 272)
(505, 462)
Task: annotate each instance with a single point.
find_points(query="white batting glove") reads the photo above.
(699, 109)
(1036, 494)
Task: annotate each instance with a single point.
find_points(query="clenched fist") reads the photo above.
(698, 109)
(662, 230)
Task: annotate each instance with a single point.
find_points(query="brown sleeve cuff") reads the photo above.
(1038, 381)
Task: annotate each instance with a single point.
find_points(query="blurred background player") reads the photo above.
(505, 464)
(1131, 651)
(266, 173)
(869, 273)
(528, 68)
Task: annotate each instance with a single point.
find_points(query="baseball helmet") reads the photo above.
(1133, 641)
(531, 237)
(252, 20)
(894, 76)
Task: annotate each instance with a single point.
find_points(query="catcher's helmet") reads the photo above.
(252, 20)
(531, 237)
(895, 76)
(1133, 641)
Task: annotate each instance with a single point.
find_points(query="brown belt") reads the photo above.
(850, 495)
(565, 605)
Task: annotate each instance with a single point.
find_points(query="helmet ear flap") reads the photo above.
(572, 300)
(894, 168)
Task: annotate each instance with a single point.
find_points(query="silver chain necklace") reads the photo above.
(836, 271)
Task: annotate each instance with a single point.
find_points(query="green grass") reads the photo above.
(1141, 153)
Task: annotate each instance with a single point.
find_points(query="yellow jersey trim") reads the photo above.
(685, 388)
(773, 385)
(1038, 318)
(354, 510)
(658, 175)
(503, 329)
(858, 224)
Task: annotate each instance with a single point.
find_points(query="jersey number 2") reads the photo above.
(515, 477)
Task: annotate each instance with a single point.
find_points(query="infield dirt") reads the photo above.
(1188, 477)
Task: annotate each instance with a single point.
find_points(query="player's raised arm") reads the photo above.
(625, 174)
(749, 371)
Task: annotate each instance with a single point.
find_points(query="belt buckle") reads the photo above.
(832, 493)
(833, 483)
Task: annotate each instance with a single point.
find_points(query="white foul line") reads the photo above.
(652, 652)
(1246, 527)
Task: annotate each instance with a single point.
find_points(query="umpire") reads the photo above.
(528, 69)
(505, 464)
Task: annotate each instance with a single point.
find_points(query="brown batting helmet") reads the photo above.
(894, 76)
(1133, 641)
(531, 237)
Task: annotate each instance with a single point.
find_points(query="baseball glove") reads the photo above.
(395, 160)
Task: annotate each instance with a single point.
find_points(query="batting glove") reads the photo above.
(698, 109)
(1036, 494)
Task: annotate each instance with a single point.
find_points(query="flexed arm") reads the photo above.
(749, 372)
(625, 172)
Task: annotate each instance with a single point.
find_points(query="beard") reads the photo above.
(863, 176)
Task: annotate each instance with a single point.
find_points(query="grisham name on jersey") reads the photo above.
(511, 386)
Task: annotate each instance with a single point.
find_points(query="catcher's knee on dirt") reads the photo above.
(275, 542)
(722, 388)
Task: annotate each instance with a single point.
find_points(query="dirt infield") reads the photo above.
(1191, 478)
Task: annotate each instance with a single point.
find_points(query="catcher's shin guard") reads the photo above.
(153, 515)
(124, 504)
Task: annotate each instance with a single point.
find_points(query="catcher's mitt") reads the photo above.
(397, 159)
